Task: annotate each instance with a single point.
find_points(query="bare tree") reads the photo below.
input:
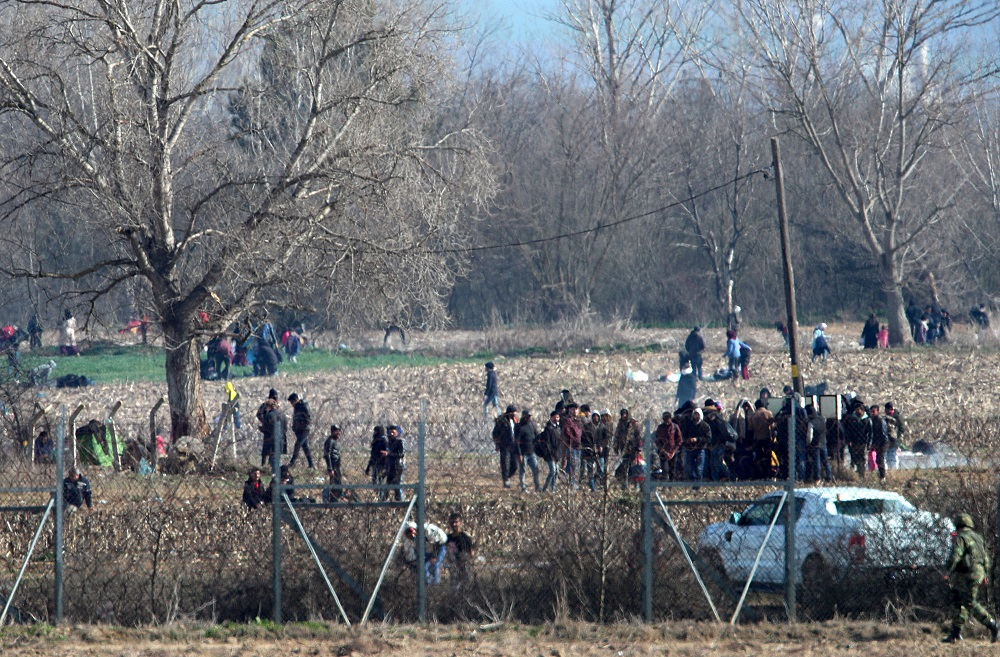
(241, 153)
(874, 88)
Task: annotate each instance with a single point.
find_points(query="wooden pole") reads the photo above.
(786, 257)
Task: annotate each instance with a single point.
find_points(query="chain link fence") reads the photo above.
(178, 544)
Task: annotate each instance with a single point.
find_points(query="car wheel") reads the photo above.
(713, 574)
(817, 600)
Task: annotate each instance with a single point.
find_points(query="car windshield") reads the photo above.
(762, 512)
(872, 507)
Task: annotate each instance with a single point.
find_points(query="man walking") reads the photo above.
(504, 437)
(301, 426)
(966, 570)
(492, 393)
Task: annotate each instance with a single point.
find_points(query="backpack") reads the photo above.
(720, 425)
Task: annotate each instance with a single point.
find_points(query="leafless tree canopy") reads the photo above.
(240, 153)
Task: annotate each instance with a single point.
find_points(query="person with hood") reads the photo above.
(694, 345)
(504, 441)
(966, 570)
(697, 436)
(525, 447)
(602, 443)
(869, 333)
(395, 460)
(820, 348)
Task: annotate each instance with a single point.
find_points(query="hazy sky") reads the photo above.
(523, 17)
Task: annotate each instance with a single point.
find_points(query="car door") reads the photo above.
(746, 537)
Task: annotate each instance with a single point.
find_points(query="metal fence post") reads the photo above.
(790, 512)
(421, 515)
(647, 532)
(276, 491)
(60, 506)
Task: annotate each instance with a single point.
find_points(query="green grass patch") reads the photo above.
(106, 363)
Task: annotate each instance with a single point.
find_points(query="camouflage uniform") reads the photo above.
(967, 567)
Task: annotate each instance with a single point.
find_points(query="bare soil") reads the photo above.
(834, 639)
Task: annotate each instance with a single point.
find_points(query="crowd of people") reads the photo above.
(694, 443)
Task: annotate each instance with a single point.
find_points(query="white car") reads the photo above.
(839, 532)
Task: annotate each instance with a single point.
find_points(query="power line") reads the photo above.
(612, 224)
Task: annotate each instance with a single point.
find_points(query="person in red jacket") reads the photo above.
(668, 447)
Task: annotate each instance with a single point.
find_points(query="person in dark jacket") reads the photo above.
(687, 387)
(525, 445)
(504, 437)
(720, 438)
(35, 330)
(880, 438)
(869, 333)
(697, 436)
(253, 490)
(76, 490)
(548, 447)
(601, 444)
(857, 432)
(819, 458)
(301, 426)
(379, 452)
(395, 462)
(492, 393)
(274, 430)
(694, 345)
(331, 456)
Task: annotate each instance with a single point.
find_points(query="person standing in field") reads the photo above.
(395, 461)
(377, 459)
(573, 440)
(896, 430)
(525, 443)
(548, 447)
(461, 551)
(35, 330)
(67, 335)
(274, 428)
(331, 456)
(301, 426)
(694, 345)
(492, 393)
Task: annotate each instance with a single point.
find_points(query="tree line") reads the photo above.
(373, 162)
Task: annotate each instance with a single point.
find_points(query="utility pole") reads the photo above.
(786, 257)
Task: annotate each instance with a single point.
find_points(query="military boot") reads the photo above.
(954, 637)
(994, 631)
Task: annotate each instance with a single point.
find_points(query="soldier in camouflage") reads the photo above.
(967, 567)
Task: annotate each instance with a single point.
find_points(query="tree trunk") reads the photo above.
(899, 327)
(187, 415)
